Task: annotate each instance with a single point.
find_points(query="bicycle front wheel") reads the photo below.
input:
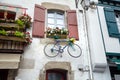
(51, 50)
(74, 50)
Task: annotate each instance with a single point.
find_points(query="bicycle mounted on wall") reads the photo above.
(54, 49)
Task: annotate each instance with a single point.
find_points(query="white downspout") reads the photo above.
(88, 45)
(85, 25)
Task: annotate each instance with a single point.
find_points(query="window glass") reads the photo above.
(8, 14)
(54, 76)
(60, 21)
(60, 26)
(118, 19)
(51, 25)
(51, 21)
(60, 15)
(55, 19)
(50, 14)
(1, 14)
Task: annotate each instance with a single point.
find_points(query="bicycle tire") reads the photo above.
(51, 50)
(74, 50)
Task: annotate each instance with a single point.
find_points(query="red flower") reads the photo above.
(27, 33)
(30, 41)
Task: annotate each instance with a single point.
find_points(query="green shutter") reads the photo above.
(117, 1)
(117, 62)
(111, 22)
(114, 58)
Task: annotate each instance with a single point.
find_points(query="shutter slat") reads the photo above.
(39, 21)
(111, 22)
(72, 24)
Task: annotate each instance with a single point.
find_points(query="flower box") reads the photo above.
(12, 38)
(15, 30)
(16, 36)
(11, 26)
(57, 36)
(57, 33)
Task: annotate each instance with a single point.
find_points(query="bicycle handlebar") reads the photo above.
(66, 40)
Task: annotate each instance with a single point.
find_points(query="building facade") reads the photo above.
(91, 22)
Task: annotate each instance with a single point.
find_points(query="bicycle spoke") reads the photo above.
(51, 50)
(74, 50)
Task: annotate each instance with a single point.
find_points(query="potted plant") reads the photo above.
(57, 33)
(28, 38)
(20, 23)
(3, 32)
(19, 34)
(26, 19)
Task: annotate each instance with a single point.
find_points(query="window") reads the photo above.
(55, 74)
(109, 2)
(113, 60)
(9, 15)
(1, 14)
(55, 19)
(115, 73)
(112, 20)
(117, 16)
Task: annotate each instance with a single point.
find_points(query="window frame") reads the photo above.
(111, 22)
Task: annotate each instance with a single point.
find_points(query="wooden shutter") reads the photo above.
(111, 22)
(39, 21)
(72, 24)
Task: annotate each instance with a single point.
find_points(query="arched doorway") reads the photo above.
(54, 70)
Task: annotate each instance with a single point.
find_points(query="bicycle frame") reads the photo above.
(61, 50)
(53, 49)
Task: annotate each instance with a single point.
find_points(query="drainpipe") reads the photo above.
(88, 45)
(90, 73)
(101, 30)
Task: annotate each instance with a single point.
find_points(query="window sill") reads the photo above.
(12, 38)
(46, 40)
(58, 36)
(51, 40)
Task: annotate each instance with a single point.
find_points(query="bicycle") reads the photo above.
(53, 49)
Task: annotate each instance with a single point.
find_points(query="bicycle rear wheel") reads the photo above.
(74, 50)
(51, 50)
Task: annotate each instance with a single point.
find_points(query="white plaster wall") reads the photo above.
(31, 3)
(99, 63)
(100, 42)
(111, 44)
(95, 37)
(35, 50)
(24, 3)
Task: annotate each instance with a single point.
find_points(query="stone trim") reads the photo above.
(9, 61)
(26, 63)
(11, 74)
(49, 5)
(57, 65)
